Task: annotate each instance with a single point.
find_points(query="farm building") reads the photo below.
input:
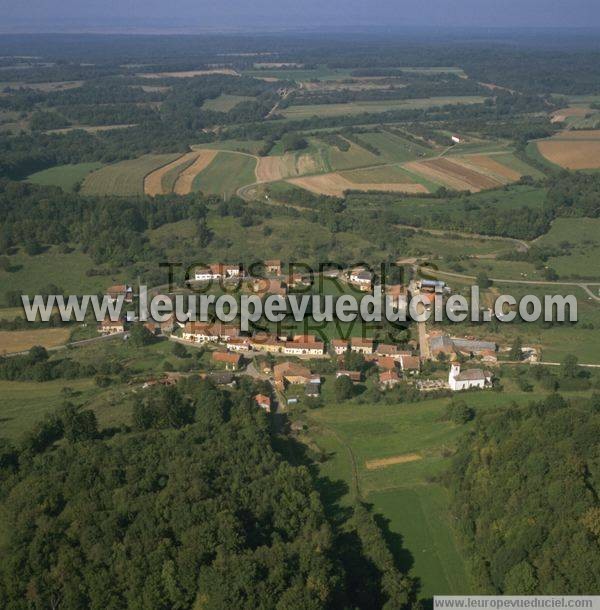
(410, 364)
(296, 374)
(217, 271)
(451, 346)
(265, 286)
(120, 290)
(387, 363)
(273, 266)
(302, 345)
(388, 379)
(456, 139)
(471, 378)
(231, 361)
(238, 344)
(362, 278)
(340, 346)
(108, 327)
(264, 402)
(267, 343)
(204, 332)
(361, 346)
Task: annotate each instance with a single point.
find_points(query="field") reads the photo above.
(573, 150)
(328, 110)
(125, 178)
(225, 102)
(30, 274)
(273, 168)
(416, 510)
(163, 179)
(336, 184)
(187, 73)
(64, 176)
(583, 234)
(225, 174)
(22, 340)
(22, 403)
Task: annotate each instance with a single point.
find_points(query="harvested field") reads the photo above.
(572, 154)
(279, 167)
(453, 175)
(334, 184)
(154, 182)
(21, 340)
(397, 459)
(583, 134)
(183, 184)
(559, 116)
(270, 169)
(489, 166)
(188, 73)
(125, 178)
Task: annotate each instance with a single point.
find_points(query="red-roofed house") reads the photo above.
(264, 402)
(231, 361)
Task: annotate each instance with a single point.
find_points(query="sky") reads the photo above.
(201, 15)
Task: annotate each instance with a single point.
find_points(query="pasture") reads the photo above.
(329, 110)
(225, 102)
(583, 250)
(64, 176)
(416, 510)
(225, 174)
(30, 274)
(125, 178)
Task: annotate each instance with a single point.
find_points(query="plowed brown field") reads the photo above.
(153, 182)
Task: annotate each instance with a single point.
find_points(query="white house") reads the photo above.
(471, 378)
(455, 139)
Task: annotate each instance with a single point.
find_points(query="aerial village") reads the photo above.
(297, 364)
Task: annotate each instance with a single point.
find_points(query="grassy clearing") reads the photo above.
(319, 73)
(23, 403)
(328, 110)
(30, 274)
(383, 173)
(583, 234)
(248, 146)
(226, 173)
(125, 178)
(395, 148)
(64, 176)
(225, 102)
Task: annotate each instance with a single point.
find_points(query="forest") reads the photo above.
(525, 485)
(189, 505)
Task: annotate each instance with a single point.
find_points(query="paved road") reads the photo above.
(583, 285)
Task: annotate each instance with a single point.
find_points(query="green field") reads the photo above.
(319, 73)
(225, 174)
(125, 178)
(225, 102)
(381, 173)
(416, 510)
(395, 148)
(24, 403)
(583, 234)
(248, 146)
(68, 271)
(328, 110)
(65, 176)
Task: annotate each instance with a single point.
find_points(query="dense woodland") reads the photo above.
(190, 507)
(526, 484)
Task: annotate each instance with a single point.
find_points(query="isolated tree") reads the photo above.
(569, 367)
(516, 353)
(179, 350)
(139, 335)
(459, 412)
(344, 388)
(483, 281)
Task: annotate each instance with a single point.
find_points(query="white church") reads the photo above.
(471, 378)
